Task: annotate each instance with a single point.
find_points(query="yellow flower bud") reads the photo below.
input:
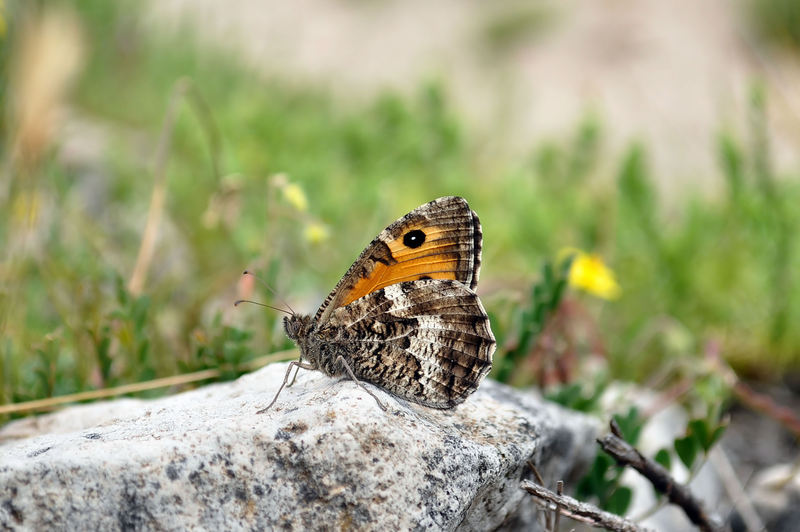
(315, 233)
(295, 196)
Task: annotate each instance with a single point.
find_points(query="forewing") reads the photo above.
(439, 240)
(428, 341)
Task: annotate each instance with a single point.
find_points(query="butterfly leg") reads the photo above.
(292, 364)
(346, 366)
(298, 364)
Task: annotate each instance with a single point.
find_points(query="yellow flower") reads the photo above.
(589, 273)
(315, 232)
(295, 196)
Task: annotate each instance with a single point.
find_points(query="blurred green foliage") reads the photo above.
(777, 21)
(545, 298)
(515, 22)
(722, 269)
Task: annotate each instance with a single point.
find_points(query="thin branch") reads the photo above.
(560, 493)
(577, 510)
(158, 196)
(51, 402)
(767, 406)
(209, 126)
(535, 471)
(627, 455)
(751, 398)
(735, 490)
(697, 466)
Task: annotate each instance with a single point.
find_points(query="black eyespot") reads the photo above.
(414, 239)
(424, 277)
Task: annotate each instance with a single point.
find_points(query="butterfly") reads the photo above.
(405, 316)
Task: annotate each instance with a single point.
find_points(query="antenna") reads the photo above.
(268, 287)
(236, 304)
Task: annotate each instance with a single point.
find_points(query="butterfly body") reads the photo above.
(405, 316)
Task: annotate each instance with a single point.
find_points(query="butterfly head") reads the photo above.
(301, 330)
(297, 326)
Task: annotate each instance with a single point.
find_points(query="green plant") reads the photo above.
(226, 348)
(578, 396)
(603, 481)
(545, 297)
(776, 21)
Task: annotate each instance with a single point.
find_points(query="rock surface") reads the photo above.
(325, 457)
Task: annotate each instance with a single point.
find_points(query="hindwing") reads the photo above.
(428, 341)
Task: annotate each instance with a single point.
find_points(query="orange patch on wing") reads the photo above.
(434, 259)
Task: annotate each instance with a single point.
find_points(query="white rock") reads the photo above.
(325, 457)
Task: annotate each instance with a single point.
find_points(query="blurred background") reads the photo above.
(151, 151)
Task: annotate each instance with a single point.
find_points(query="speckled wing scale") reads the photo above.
(405, 317)
(427, 341)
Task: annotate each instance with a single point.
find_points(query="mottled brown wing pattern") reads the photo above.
(428, 341)
(438, 240)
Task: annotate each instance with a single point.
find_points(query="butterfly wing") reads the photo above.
(439, 240)
(428, 341)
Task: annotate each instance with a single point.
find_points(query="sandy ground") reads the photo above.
(668, 73)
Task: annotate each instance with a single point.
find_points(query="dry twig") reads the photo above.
(733, 486)
(767, 406)
(627, 455)
(577, 510)
(52, 402)
(749, 397)
(183, 89)
(158, 196)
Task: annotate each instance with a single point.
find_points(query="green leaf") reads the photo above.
(619, 501)
(565, 395)
(539, 318)
(558, 292)
(596, 483)
(699, 428)
(664, 458)
(716, 434)
(122, 292)
(634, 185)
(630, 425)
(686, 448)
(538, 292)
(577, 396)
(547, 274)
(585, 488)
(731, 160)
